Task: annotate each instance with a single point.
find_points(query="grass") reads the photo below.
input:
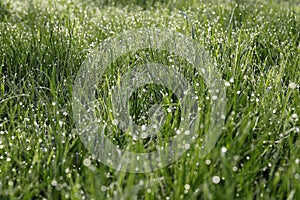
(256, 46)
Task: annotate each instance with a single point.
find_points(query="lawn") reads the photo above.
(253, 48)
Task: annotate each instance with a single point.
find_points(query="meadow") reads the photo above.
(255, 45)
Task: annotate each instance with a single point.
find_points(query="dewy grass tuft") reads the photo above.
(255, 46)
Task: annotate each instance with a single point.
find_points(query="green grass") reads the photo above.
(256, 46)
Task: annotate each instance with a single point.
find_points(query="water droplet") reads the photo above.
(208, 162)
(187, 186)
(54, 183)
(224, 149)
(270, 164)
(187, 146)
(292, 85)
(294, 116)
(187, 132)
(10, 183)
(87, 162)
(103, 188)
(216, 179)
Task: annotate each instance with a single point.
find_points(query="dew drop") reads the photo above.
(54, 183)
(87, 162)
(208, 162)
(292, 85)
(216, 179)
(187, 186)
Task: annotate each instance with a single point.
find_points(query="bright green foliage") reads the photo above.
(256, 46)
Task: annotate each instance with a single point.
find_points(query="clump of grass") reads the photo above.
(256, 48)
